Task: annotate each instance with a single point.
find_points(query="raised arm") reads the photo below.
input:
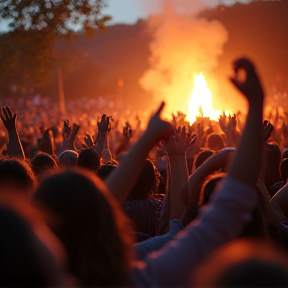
(122, 180)
(9, 120)
(247, 162)
(46, 143)
(228, 126)
(102, 139)
(176, 149)
(69, 135)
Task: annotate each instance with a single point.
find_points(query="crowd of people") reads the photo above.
(92, 201)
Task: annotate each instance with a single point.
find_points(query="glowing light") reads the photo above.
(200, 103)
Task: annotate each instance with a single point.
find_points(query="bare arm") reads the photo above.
(122, 180)
(14, 146)
(176, 148)
(246, 165)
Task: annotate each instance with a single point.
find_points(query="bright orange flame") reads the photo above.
(200, 103)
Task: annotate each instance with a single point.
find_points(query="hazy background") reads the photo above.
(155, 57)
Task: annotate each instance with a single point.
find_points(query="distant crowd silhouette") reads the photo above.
(86, 202)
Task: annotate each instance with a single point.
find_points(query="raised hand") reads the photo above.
(104, 125)
(174, 120)
(157, 128)
(46, 143)
(251, 86)
(101, 141)
(88, 140)
(199, 141)
(127, 132)
(66, 129)
(246, 164)
(223, 122)
(69, 135)
(74, 132)
(8, 119)
(267, 128)
(231, 135)
(232, 123)
(240, 121)
(180, 142)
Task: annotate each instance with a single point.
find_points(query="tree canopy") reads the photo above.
(28, 56)
(59, 17)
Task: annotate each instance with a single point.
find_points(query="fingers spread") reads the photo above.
(9, 112)
(6, 114)
(2, 115)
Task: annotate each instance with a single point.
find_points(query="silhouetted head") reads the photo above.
(25, 261)
(202, 156)
(209, 187)
(215, 142)
(43, 163)
(89, 159)
(68, 158)
(244, 263)
(146, 183)
(91, 227)
(104, 171)
(16, 176)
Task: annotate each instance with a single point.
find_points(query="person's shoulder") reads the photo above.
(155, 202)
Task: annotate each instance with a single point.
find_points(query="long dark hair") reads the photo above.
(145, 183)
(92, 227)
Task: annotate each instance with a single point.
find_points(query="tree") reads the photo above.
(28, 56)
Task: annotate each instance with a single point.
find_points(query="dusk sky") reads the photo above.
(125, 11)
(129, 11)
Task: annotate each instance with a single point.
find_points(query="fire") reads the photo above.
(200, 103)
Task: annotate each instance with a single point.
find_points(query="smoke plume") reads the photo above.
(183, 44)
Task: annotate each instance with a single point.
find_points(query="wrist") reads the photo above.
(256, 101)
(11, 129)
(102, 134)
